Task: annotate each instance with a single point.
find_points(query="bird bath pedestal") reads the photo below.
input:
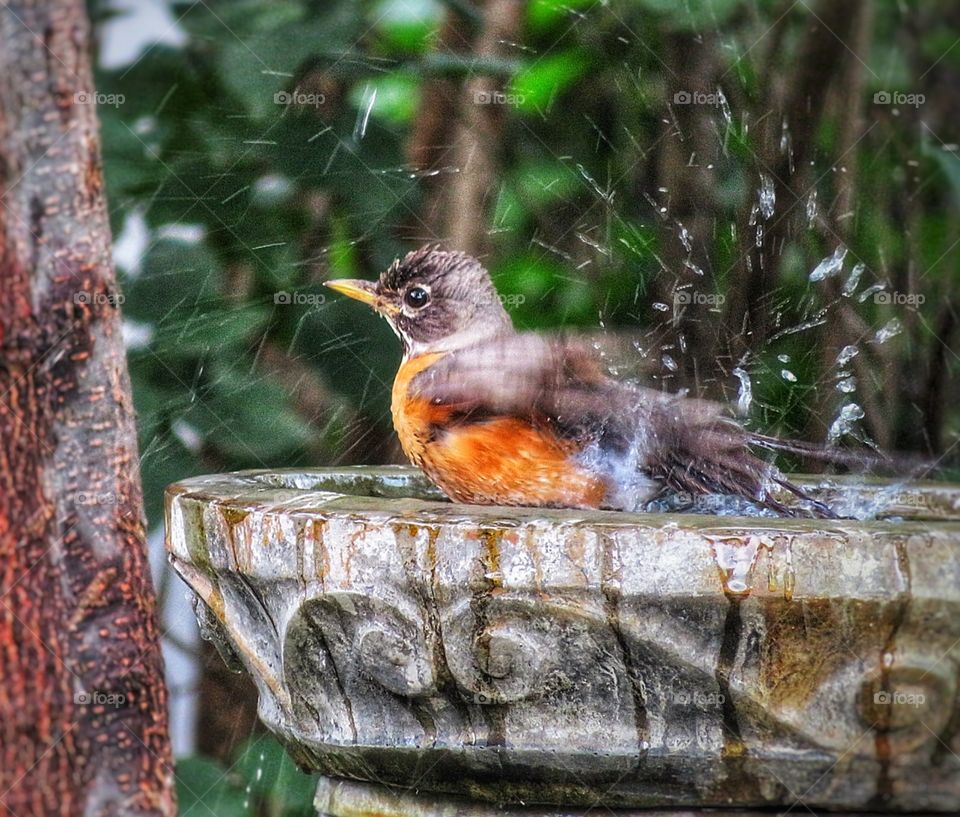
(438, 659)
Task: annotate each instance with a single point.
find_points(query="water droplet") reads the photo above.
(783, 358)
(784, 137)
(735, 560)
(786, 374)
(745, 397)
(604, 195)
(789, 582)
(892, 328)
(661, 307)
(869, 291)
(724, 107)
(811, 208)
(670, 363)
(854, 279)
(830, 265)
(363, 115)
(847, 353)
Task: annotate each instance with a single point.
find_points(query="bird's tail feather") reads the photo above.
(860, 461)
(710, 455)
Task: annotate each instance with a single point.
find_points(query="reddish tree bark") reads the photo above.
(83, 726)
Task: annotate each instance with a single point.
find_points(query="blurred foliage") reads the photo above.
(261, 779)
(270, 152)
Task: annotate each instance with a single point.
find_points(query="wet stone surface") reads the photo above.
(567, 659)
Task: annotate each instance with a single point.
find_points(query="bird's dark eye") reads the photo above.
(417, 297)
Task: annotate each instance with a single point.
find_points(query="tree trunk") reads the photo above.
(457, 206)
(688, 147)
(83, 724)
(821, 52)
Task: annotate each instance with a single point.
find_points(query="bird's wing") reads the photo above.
(692, 445)
(544, 380)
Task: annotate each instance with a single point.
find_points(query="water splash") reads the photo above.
(830, 265)
(813, 323)
(745, 396)
(844, 423)
(767, 196)
(595, 186)
(866, 502)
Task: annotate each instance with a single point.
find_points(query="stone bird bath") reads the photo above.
(439, 659)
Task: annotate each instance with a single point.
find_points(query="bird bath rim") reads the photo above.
(921, 501)
(390, 631)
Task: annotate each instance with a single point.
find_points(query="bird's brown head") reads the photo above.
(434, 300)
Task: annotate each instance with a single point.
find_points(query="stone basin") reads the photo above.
(432, 658)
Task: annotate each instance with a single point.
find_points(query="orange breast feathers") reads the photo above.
(493, 460)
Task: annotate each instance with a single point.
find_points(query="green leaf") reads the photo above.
(165, 459)
(273, 777)
(397, 100)
(205, 787)
(544, 182)
(259, 67)
(214, 329)
(537, 85)
(693, 14)
(949, 163)
(543, 15)
(248, 416)
(176, 277)
(509, 213)
(407, 25)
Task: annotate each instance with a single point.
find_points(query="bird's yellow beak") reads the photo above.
(362, 291)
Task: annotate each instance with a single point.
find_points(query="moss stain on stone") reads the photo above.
(196, 534)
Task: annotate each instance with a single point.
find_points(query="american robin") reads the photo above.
(496, 416)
